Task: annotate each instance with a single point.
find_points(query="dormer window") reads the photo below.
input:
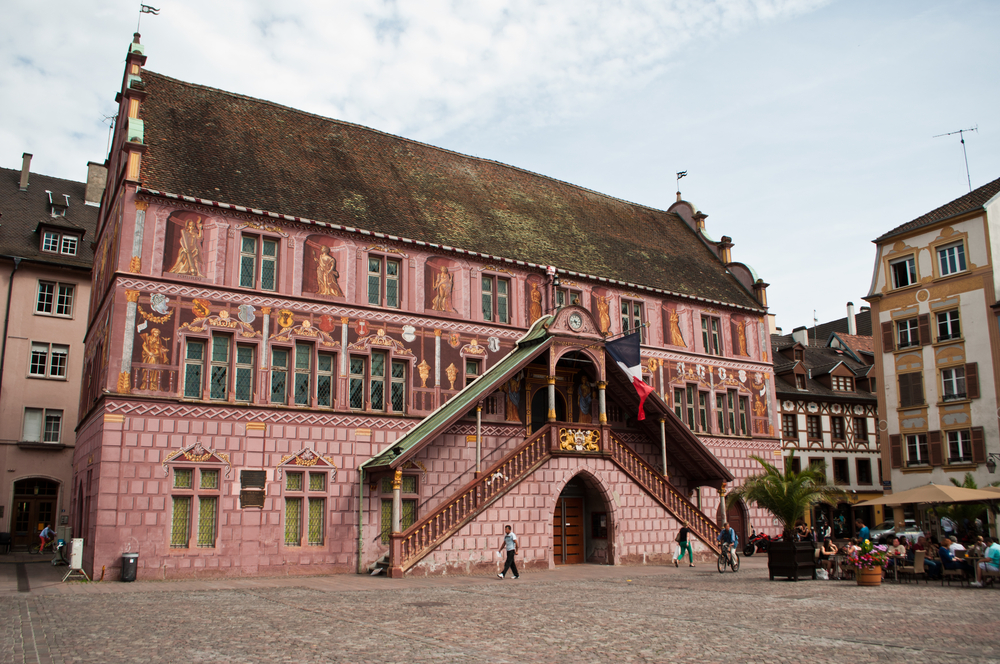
(58, 205)
(799, 354)
(60, 243)
(800, 381)
(843, 384)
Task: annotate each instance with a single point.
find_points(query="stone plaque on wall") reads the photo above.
(251, 498)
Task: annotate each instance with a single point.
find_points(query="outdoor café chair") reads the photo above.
(949, 574)
(916, 568)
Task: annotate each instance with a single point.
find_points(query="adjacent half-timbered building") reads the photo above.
(316, 347)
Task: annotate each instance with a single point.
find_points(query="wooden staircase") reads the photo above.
(409, 547)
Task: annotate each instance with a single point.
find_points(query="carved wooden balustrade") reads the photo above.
(407, 548)
(664, 492)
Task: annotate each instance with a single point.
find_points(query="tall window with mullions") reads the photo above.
(303, 374)
(279, 375)
(383, 281)
(378, 381)
(244, 373)
(194, 359)
(219, 378)
(398, 386)
(357, 383)
(324, 379)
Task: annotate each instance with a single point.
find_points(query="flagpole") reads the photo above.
(626, 332)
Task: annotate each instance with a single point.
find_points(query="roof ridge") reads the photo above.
(410, 140)
(990, 189)
(17, 171)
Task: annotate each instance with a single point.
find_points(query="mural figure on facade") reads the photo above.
(603, 313)
(512, 390)
(444, 283)
(676, 338)
(154, 351)
(586, 400)
(535, 309)
(326, 271)
(741, 338)
(189, 249)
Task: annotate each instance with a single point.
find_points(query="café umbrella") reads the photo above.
(934, 494)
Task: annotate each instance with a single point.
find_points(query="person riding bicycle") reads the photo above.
(728, 539)
(46, 536)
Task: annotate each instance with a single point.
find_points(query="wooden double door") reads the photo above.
(568, 535)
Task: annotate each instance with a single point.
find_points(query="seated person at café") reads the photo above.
(992, 555)
(852, 548)
(897, 553)
(979, 548)
(955, 547)
(931, 566)
(827, 550)
(948, 560)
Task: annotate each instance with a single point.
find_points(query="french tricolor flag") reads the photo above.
(625, 353)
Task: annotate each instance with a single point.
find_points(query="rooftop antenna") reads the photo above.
(110, 119)
(961, 133)
(815, 325)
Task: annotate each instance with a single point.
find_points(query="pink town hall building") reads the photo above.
(314, 347)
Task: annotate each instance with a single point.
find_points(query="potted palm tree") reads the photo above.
(788, 496)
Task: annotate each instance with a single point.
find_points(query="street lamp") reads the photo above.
(991, 462)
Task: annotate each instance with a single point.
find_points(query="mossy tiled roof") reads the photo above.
(224, 147)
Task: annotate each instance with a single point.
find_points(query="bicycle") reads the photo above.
(38, 548)
(728, 557)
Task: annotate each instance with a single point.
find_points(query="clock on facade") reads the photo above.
(575, 321)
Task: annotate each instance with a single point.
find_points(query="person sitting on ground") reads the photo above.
(948, 560)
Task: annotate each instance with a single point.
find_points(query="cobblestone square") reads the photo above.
(573, 614)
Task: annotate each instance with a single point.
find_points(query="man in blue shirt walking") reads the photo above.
(510, 544)
(863, 532)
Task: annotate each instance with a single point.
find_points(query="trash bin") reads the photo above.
(129, 563)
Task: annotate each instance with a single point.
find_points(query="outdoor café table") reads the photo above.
(897, 560)
(838, 560)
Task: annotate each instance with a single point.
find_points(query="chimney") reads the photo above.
(97, 177)
(851, 327)
(801, 335)
(25, 169)
(725, 249)
(777, 331)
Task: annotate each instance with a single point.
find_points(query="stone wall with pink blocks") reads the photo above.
(643, 530)
(127, 502)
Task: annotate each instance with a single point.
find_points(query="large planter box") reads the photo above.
(792, 560)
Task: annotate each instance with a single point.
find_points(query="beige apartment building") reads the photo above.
(934, 313)
(46, 229)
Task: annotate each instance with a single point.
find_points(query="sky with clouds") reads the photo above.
(806, 126)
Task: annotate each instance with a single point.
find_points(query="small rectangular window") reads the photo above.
(183, 478)
(248, 261)
(293, 521)
(837, 427)
(50, 241)
(744, 421)
(841, 471)
(269, 265)
(864, 469)
(731, 410)
(317, 481)
(843, 383)
(948, 325)
(69, 243)
(377, 386)
(383, 281)
(951, 259)
(861, 429)
(357, 383)
(208, 509)
(258, 263)
(904, 272)
(710, 335)
(789, 427)
(800, 381)
(38, 365)
(53, 425)
(720, 413)
(209, 479)
(218, 379)
(813, 429)
(679, 403)
(293, 481)
(911, 389)
(317, 511)
(689, 402)
(41, 425)
(632, 319)
(46, 294)
(243, 387)
(496, 299)
(703, 410)
(54, 299)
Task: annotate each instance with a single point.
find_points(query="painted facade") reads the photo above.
(242, 365)
(933, 300)
(45, 289)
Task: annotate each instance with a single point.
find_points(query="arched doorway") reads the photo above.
(581, 524)
(737, 517)
(34, 508)
(540, 409)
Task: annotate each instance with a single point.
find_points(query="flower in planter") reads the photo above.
(870, 556)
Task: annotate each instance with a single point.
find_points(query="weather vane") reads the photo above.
(961, 133)
(145, 9)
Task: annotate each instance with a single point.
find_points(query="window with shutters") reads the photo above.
(951, 259)
(789, 427)
(959, 446)
(813, 428)
(911, 390)
(948, 325)
(384, 287)
(907, 333)
(259, 262)
(953, 384)
(904, 272)
(917, 453)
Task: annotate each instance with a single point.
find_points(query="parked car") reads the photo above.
(885, 531)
